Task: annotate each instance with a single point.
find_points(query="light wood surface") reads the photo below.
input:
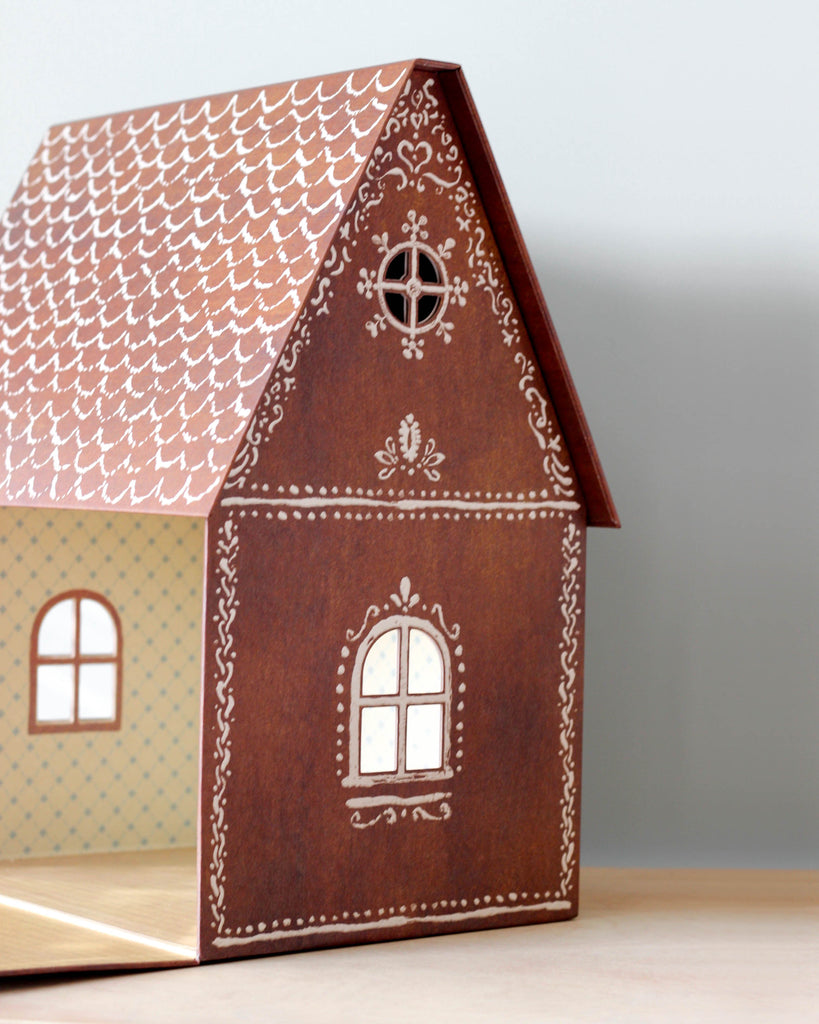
(114, 908)
(650, 947)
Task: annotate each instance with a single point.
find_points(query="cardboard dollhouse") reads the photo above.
(294, 487)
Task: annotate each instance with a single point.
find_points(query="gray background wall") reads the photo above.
(662, 159)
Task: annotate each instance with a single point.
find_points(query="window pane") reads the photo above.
(98, 634)
(56, 635)
(379, 740)
(426, 667)
(55, 693)
(424, 736)
(98, 693)
(380, 672)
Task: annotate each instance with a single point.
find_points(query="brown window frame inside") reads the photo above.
(402, 700)
(36, 660)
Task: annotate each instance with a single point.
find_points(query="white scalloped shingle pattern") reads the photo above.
(151, 266)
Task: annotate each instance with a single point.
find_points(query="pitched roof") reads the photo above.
(146, 292)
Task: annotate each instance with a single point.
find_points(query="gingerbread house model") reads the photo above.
(294, 486)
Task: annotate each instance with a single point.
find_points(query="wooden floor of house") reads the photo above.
(114, 908)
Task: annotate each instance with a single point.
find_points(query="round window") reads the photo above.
(412, 287)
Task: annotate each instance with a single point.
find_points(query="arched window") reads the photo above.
(76, 664)
(400, 704)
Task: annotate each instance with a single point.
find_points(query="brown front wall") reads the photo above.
(426, 465)
(291, 851)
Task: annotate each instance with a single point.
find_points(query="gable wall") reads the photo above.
(350, 377)
(95, 791)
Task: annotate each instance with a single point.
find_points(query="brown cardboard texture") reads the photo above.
(293, 507)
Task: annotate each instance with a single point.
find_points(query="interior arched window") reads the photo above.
(400, 704)
(76, 664)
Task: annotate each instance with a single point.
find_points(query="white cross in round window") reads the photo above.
(412, 287)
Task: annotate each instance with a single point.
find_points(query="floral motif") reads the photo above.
(406, 455)
(404, 600)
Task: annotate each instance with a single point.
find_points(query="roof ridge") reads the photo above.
(243, 91)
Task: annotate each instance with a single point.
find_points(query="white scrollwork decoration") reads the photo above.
(227, 549)
(386, 814)
(452, 633)
(570, 611)
(444, 813)
(434, 807)
(353, 636)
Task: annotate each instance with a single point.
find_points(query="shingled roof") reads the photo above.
(130, 388)
(153, 263)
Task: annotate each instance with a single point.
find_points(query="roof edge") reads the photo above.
(423, 64)
(599, 502)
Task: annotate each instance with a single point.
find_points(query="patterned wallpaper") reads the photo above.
(136, 787)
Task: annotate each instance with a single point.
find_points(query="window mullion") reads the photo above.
(76, 659)
(403, 675)
(413, 299)
(427, 698)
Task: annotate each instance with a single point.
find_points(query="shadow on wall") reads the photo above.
(702, 699)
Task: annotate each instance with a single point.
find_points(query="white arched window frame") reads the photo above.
(76, 665)
(400, 704)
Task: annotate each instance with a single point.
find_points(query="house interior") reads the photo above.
(132, 909)
(101, 636)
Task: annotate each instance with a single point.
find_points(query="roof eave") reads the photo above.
(599, 502)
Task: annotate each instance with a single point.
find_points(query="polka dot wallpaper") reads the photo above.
(135, 787)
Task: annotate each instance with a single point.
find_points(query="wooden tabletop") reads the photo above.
(649, 946)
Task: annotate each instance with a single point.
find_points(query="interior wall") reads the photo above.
(661, 159)
(136, 787)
